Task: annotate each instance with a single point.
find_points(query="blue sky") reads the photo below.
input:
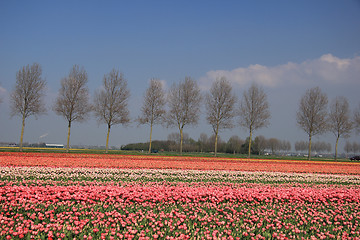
(285, 46)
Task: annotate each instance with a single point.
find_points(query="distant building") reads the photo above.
(53, 145)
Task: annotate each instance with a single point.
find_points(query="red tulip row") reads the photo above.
(162, 162)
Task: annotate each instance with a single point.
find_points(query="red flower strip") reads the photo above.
(163, 162)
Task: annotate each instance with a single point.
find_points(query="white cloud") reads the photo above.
(339, 63)
(3, 94)
(326, 69)
(2, 91)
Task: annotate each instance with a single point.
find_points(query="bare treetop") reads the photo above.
(340, 117)
(312, 114)
(154, 104)
(72, 101)
(357, 118)
(111, 102)
(254, 108)
(220, 105)
(184, 103)
(27, 97)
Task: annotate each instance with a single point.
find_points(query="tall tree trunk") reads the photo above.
(309, 153)
(181, 140)
(250, 143)
(216, 138)
(151, 126)
(22, 133)
(68, 138)
(107, 139)
(336, 145)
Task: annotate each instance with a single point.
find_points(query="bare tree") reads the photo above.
(174, 138)
(254, 110)
(301, 146)
(203, 139)
(274, 145)
(340, 120)
(321, 147)
(27, 97)
(184, 103)
(72, 101)
(221, 145)
(312, 114)
(348, 147)
(220, 107)
(234, 144)
(260, 143)
(357, 119)
(153, 108)
(285, 145)
(355, 147)
(110, 103)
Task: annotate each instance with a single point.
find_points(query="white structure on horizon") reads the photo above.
(54, 145)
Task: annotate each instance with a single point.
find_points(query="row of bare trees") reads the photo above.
(184, 103)
(235, 144)
(110, 104)
(319, 146)
(272, 145)
(178, 107)
(314, 118)
(353, 147)
(72, 102)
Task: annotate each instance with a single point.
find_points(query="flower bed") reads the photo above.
(176, 210)
(38, 202)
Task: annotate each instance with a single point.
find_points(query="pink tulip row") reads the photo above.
(175, 192)
(77, 209)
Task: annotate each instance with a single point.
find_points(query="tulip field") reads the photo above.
(88, 196)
